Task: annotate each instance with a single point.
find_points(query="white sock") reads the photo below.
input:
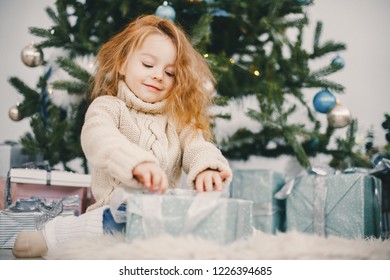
(65, 228)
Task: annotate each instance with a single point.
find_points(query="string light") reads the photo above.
(255, 72)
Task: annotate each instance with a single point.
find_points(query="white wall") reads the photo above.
(362, 25)
(16, 17)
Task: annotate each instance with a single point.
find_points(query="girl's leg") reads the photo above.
(29, 244)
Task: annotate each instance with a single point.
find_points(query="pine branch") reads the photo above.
(297, 147)
(326, 48)
(317, 35)
(71, 87)
(52, 14)
(31, 102)
(312, 82)
(40, 32)
(74, 69)
(201, 33)
(325, 71)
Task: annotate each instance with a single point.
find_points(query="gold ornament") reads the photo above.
(14, 113)
(339, 116)
(31, 55)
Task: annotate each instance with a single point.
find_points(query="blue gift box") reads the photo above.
(345, 205)
(218, 219)
(260, 186)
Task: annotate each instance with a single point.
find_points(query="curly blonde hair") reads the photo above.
(189, 101)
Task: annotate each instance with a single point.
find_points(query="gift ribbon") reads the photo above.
(319, 199)
(319, 205)
(320, 191)
(41, 211)
(202, 206)
(152, 216)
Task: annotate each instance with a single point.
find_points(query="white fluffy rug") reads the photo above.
(283, 246)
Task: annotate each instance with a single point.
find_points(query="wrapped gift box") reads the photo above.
(222, 220)
(11, 223)
(345, 205)
(53, 177)
(260, 186)
(51, 185)
(11, 156)
(31, 215)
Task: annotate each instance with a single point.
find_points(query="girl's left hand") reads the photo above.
(210, 180)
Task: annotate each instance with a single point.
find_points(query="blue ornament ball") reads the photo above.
(166, 11)
(338, 61)
(324, 101)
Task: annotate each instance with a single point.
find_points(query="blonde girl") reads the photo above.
(148, 121)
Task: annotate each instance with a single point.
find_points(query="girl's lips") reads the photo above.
(152, 86)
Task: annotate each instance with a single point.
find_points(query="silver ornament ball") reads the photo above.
(166, 11)
(14, 113)
(31, 55)
(339, 116)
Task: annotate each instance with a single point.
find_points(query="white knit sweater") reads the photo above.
(121, 132)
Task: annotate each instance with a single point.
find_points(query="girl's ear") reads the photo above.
(122, 70)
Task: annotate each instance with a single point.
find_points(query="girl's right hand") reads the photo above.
(152, 176)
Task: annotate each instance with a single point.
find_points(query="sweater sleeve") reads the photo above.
(105, 147)
(199, 155)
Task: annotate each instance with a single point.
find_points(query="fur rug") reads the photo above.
(283, 246)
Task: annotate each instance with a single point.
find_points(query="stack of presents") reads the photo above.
(31, 193)
(353, 204)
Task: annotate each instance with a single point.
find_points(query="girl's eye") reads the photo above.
(170, 74)
(147, 65)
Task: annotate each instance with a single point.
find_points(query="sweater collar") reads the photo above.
(133, 102)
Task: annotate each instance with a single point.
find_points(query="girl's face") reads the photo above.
(150, 71)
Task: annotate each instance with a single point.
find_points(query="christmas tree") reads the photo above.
(254, 47)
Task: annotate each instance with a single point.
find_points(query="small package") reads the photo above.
(205, 215)
(260, 186)
(344, 205)
(31, 215)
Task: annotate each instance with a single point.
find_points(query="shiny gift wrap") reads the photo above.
(30, 215)
(206, 216)
(260, 186)
(345, 205)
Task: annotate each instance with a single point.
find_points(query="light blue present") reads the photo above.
(345, 205)
(204, 215)
(260, 186)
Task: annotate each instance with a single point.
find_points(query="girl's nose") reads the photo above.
(158, 74)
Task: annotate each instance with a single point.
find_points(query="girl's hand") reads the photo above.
(210, 180)
(152, 176)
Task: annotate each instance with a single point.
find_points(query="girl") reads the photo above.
(147, 123)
